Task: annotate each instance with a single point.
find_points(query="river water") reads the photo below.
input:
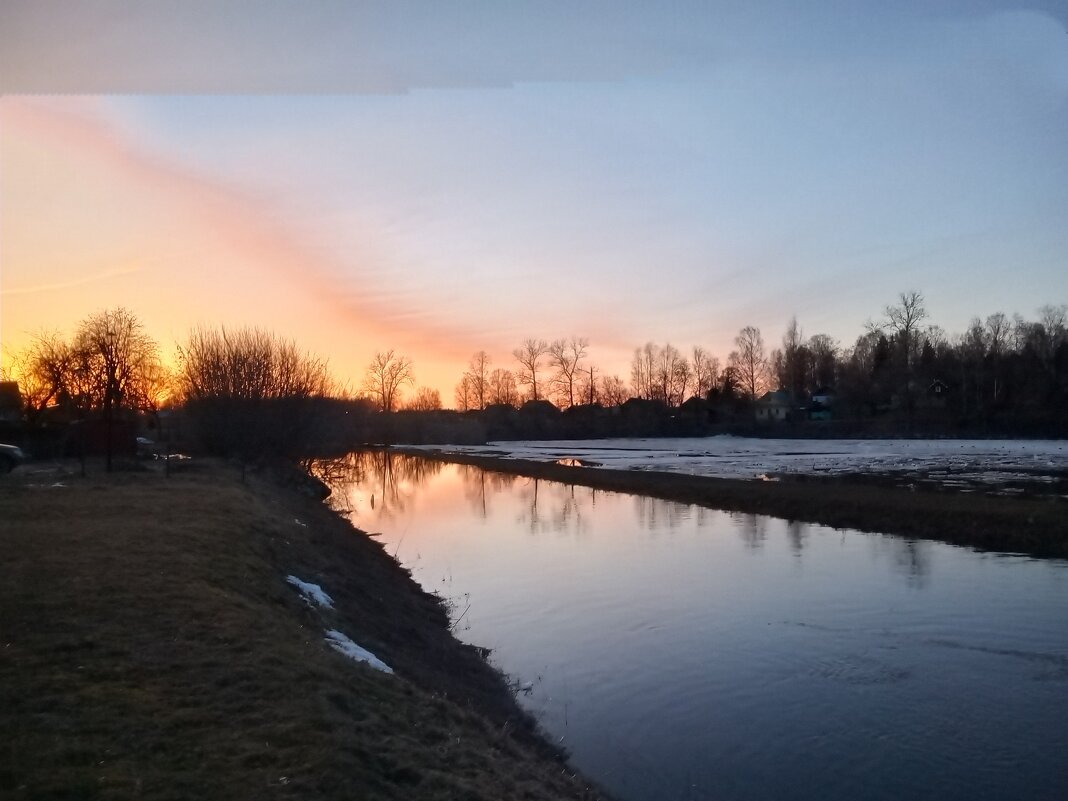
(680, 652)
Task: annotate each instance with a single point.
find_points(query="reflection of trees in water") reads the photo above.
(753, 529)
(796, 531)
(551, 506)
(390, 478)
(481, 485)
(654, 514)
(912, 558)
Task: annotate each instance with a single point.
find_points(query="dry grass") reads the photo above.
(150, 648)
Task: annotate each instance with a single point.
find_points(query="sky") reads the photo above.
(442, 178)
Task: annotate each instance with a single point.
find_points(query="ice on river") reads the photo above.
(987, 461)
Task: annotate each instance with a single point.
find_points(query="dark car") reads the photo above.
(10, 457)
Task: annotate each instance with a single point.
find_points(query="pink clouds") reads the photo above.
(94, 219)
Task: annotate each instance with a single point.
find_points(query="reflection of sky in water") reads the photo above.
(684, 652)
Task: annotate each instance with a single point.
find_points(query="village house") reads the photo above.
(773, 407)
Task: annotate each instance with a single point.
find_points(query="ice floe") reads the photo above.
(343, 644)
(312, 593)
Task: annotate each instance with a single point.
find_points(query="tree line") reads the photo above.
(1000, 366)
(240, 384)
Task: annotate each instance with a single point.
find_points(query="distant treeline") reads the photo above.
(902, 374)
(248, 393)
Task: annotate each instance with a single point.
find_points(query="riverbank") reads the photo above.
(153, 648)
(1031, 525)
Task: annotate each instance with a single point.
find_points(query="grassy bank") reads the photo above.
(150, 647)
(1032, 525)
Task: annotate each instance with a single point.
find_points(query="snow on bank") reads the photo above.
(313, 594)
(343, 644)
(745, 457)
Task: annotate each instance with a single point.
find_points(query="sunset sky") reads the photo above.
(440, 178)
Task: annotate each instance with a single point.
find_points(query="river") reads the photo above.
(680, 652)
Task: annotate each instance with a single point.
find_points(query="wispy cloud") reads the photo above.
(56, 286)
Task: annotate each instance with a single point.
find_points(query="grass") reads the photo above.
(1032, 525)
(151, 648)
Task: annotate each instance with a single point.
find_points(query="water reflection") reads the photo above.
(386, 483)
(655, 515)
(678, 651)
(385, 479)
(912, 558)
(753, 530)
(796, 533)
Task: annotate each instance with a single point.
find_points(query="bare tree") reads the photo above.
(749, 362)
(464, 393)
(588, 390)
(705, 371)
(613, 391)
(565, 356)
(478, 370)
(792, 365)
(113, 356)
(998, 332)
(386, 374)
(643, 370)
(671, 375)
(903, 321)
(824, 364)
(1054, 323)
(528, 356)
(247, 364)
(251, 392)
(424, 400)
(45, 371)
(502, 388)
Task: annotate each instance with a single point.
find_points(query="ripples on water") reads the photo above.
(682, 652)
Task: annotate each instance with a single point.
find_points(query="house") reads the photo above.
(822, 401)
(773, 407)
(937, 394)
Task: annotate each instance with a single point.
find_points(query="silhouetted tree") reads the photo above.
(464, 393)
(424, 400)
(385, 376)
(791, 365)
(565, 356)
(252, 393)
(613, 391)
(671, 375)
(643, 371)
(502, 388)
(824, 365)
(478, 371)
(903, 322)
(45, 370)
(529, 356)
(705, 371)
(588, 388)
(114, 358)
(749, 361)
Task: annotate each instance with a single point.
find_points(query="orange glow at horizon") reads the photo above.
(90, 222)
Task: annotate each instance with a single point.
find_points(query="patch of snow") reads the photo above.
(344, 645)
(313, 593)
